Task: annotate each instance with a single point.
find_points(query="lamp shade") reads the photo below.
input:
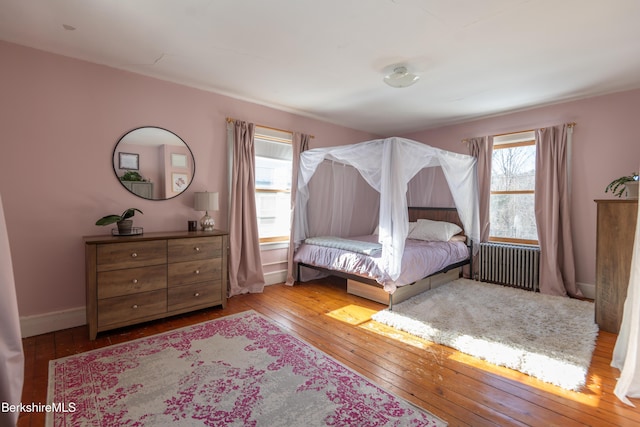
(205, 201)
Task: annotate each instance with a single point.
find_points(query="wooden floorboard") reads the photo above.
(458, 388)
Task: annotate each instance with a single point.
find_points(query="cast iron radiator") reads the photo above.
(510, 265)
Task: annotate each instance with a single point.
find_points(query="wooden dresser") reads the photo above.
(614, 249)
(154, 275)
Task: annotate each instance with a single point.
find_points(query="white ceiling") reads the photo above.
(326, 58)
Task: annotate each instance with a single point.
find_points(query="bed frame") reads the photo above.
(370, 289)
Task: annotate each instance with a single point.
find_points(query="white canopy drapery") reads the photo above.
(388, 165)
(11, 355)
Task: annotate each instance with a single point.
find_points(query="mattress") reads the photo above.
(420, 259)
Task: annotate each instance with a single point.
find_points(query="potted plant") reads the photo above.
(628, 183)
(131, 176)
(125, 225)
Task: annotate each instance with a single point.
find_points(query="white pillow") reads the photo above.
(412, 225)
(440, 231)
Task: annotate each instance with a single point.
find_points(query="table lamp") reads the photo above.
(205, 201)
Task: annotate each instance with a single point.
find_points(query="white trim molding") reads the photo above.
(275, 277)
(54, 321)
(588, 290)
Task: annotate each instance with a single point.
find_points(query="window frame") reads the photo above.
(512, 240)
(262, 132)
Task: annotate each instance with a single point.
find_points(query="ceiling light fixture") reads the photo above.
(401, 77)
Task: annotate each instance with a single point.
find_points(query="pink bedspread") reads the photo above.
(420, 259)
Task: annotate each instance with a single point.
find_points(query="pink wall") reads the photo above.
(605, 146)
(60, 119)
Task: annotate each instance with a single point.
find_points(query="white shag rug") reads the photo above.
(548, 337)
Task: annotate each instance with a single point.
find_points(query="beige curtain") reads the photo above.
(300, 144)
(557, 267)
(11, 356)
(245, 264)
(482, 149)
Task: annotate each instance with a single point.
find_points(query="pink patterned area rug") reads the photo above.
(239, 370)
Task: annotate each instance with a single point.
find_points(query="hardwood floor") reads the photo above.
(462, 390)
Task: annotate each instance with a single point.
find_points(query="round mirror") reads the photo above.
(153, 163)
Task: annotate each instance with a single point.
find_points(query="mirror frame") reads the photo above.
(134, 158)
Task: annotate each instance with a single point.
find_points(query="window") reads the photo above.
(273, 170)
(513, 170)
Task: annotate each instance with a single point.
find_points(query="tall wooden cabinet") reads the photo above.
(616, 226)
(135, 279)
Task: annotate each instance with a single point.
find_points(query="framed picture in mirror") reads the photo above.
(128, 161)
(180, 182)
(178, 160)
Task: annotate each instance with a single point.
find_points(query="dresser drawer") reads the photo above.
(131, 281)
(182, 273)
(115, 256)
(131, 307)
(204, 293)
(194, 249)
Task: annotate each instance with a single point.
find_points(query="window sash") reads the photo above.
(513, 192)
(514, 241)
(272, 144)
(512, 141)
(275, 216)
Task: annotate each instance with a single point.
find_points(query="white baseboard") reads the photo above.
(588, 290)
(58, 320)
(55, 321)
(275, 277)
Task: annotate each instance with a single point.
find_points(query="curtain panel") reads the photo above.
(482, 149)
(557, 265)
(11, 355)
(245, 263)
(300, 144)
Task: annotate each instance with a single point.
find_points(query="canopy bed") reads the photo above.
(387, 165)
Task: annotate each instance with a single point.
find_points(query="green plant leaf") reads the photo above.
(109, 219)
(131, 176)
(617, 186)
(130, 212)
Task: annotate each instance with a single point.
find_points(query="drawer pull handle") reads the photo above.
(134, 255)
(197, 271)
(197, 294)
(197, 249)
(135, 281)
(134, 306)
